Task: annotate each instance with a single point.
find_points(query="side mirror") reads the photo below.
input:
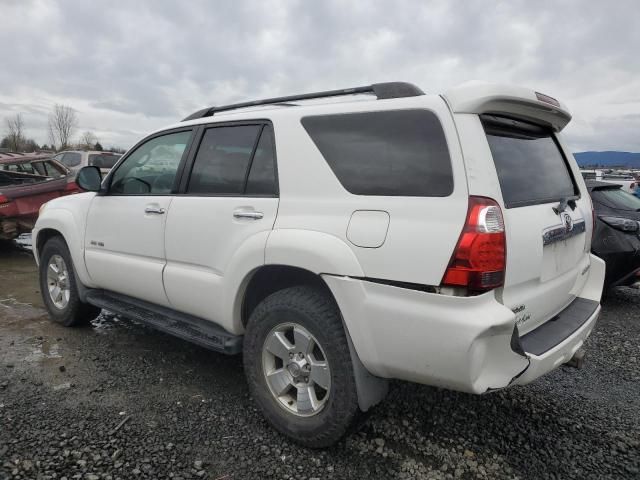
(89, 179)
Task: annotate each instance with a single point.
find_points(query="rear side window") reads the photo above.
(530, 165)
(262, 177)
(394, 153)
(53, 170)
(234, 160)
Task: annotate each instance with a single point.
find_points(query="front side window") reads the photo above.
(394, 153)
(152, 168)
(71, 159)
(234, 160)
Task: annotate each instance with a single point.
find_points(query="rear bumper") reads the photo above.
(558, 354)
(468, 344)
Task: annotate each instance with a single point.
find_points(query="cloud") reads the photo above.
(131, 67)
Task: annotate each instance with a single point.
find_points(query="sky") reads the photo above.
(131, 67)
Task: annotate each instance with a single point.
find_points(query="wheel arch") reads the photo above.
(59, 222)
(269, 279)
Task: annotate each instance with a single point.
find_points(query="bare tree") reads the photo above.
(62, 123)
(87, 140)
(15, 132)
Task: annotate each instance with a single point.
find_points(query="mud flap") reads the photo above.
(371, 389)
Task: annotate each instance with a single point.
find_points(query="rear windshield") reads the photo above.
(395, 153)
(616, 198)
(531, 168)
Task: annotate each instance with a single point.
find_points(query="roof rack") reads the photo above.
(380, 90)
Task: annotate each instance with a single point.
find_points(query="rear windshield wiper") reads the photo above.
(564, 203)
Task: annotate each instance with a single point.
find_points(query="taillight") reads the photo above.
(4, 200)
(478, 262)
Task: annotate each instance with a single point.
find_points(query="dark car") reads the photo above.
(617, 235)
(28, 180)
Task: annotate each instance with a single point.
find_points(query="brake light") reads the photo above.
(4, 200)
(479, 260)
(547, 99)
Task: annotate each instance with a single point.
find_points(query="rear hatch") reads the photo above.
(545, 218)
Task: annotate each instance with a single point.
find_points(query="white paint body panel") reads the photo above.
(542, 280)
(67, 215)
(209, 253)
(422, 230)
(460, 343)
(131, 258)
(368, 228)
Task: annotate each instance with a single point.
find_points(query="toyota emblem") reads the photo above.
(567, 222)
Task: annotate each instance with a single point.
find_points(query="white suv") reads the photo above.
(76, 159)
(377, 233)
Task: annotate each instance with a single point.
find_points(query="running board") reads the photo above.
(193, 329)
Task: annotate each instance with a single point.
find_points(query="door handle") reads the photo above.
(250, 214)
(155, 210)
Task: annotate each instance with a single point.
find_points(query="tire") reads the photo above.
(68, 310)
(308, 310)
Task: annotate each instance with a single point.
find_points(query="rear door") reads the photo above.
(227, 206)
(546, 217)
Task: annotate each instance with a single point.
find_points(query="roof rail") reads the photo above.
(380, 90)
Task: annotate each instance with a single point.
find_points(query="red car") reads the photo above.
(27, 181)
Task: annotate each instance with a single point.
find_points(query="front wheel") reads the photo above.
(59, 288)
(298, 365)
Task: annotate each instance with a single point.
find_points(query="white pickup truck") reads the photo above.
(438, 239)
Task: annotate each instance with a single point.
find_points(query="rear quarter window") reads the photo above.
(394, 153)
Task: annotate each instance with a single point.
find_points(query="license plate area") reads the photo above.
(561, 256)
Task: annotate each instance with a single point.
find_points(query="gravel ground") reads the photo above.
(118, 400)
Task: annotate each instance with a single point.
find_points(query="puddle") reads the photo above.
(43, 351)
(107, 322)
(18, 277)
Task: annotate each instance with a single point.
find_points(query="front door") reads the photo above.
(124, 240)
(219, 226)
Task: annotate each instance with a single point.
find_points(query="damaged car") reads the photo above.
(27, 181)
(617, 232)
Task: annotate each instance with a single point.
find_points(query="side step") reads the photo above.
(193, 329)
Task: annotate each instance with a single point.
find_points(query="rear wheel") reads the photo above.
(59, 288)
(298, 366)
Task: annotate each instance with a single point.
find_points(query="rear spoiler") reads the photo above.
(511, 101)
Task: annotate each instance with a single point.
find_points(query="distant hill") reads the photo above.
(608, 159)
